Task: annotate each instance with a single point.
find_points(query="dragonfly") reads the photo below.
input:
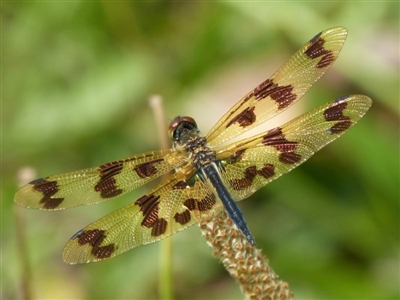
(205, 174)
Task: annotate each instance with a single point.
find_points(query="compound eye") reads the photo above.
(172, 126)
(189, 120)
(178, 124)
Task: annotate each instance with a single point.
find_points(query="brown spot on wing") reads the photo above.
(249, 174)
(207, 203)
(246, 181)
(147, 169)
(182, 218)
(245, 118)
(95, 238)
(107, 185)
(190, 204)
(108, 188)
(282, 95)
(335, 113)
(111, 169)
(340, 126)
(48, 189)
(289, 157)
(277, 139)
(267, 171)
(186, 183)
(149, 207)
(316, 49)
(201, 205)
(238, 155)
(180, 185)
(159, 227)
(240, 104)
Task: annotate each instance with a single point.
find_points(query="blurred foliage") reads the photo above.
(76, 76)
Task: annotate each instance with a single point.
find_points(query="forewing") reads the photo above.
(94, 185)
(252, 163)
(174, 205)
(283, 89)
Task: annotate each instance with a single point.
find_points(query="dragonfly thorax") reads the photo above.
(201, 154)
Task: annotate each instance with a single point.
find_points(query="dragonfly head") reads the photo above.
(181, 129)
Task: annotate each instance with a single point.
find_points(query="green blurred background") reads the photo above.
(76, 78)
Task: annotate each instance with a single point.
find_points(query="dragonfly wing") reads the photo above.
(252, 163)
(95, 185)
(174, 205)
(283, 89)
